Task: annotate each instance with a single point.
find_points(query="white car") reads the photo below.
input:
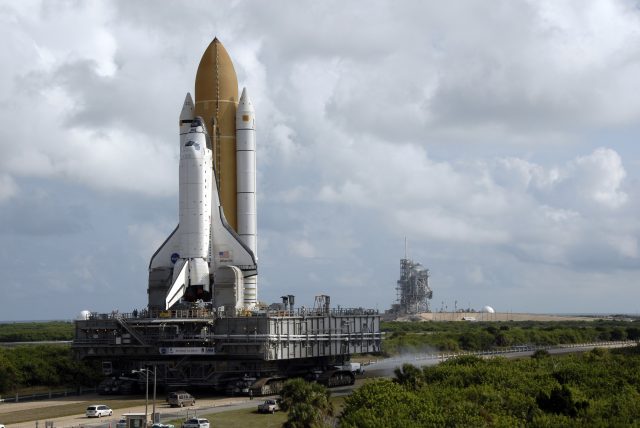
(269, 406)
(98, 411)
(196, 423)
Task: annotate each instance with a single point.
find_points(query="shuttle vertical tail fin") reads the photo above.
(179, 285)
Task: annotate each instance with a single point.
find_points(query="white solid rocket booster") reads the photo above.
(246, 187)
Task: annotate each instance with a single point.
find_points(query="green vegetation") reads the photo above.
(43, 365)
(47, 365)
(478, 336)
(36, 331)
(598, 388)
(308, 404)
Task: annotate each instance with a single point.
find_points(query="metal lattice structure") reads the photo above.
(413, 291)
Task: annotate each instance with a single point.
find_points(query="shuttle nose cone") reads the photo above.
(245, 115)
(187, 109)
(245, 102)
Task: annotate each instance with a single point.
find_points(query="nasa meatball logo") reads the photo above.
(174, 258)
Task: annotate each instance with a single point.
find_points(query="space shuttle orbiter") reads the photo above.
(206, 256)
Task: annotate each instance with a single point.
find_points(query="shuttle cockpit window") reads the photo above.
(192, 143)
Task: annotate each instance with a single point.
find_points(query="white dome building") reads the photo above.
(84, 315)
(488, 310)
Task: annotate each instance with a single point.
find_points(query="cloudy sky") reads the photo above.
(501, 138)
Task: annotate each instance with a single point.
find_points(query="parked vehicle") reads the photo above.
(162, 426)
(98, 411)
(122, 423)
(171, 394)
(180, 399)
(196, 423)
(269, 406)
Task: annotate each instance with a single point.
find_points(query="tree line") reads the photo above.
(36, 331)
(408, 337)
(598, 388)
(44, 365)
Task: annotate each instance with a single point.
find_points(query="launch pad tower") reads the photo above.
(413, 291)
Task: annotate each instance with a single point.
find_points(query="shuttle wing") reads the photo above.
(162, 258)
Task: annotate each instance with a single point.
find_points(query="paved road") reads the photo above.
(385, 367)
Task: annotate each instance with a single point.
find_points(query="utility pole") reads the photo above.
(146, 388)
(146, 401)
(153, 415)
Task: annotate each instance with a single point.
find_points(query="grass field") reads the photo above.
(46, 413)
(251, 418)
(240, 419)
